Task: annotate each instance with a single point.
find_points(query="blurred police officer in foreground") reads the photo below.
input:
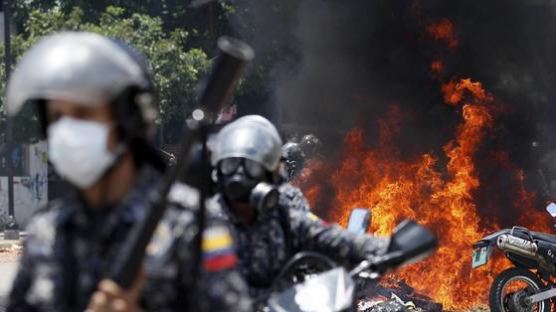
(246, 154)
(94, 95)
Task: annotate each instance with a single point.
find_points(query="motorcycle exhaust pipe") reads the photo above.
(520, 246)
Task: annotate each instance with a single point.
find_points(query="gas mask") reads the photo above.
(242, 180)
(78, 150)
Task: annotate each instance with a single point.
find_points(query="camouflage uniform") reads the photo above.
(293, 197)
(265, 246)
(69, 249)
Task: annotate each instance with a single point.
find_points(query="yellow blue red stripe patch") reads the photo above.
(218, 251)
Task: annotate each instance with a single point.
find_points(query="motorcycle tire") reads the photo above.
(512, 274)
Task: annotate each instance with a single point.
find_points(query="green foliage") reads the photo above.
(205, 23)
(175, 70)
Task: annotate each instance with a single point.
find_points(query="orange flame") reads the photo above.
(443, 30)
(436, 192)
(454, 91)
(440, 198)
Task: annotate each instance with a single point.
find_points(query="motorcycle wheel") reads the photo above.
(505, 297)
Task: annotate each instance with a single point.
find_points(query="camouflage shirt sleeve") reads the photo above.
(223, 286)
(220, 286)
(292, 197)
(312, 234)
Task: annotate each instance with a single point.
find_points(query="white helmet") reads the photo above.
(81, 67)
(252, 137)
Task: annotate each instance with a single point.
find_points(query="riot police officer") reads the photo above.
(310, 145)
(246, 154)
(293, 160)
(96, 102)
(291, 165)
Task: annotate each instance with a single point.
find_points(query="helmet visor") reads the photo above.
(229, 165)
(252, 168)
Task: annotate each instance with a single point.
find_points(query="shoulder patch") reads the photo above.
(218, 252)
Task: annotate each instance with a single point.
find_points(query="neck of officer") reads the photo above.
(114, 185)
(244, 212)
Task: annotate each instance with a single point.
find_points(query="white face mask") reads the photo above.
(78, 149)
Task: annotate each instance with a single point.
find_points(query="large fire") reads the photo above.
(437, 190)
(439, 197)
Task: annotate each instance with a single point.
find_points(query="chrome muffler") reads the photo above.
(520, 246)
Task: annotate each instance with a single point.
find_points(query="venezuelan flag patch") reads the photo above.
(218, 251)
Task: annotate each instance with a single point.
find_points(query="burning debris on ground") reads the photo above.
(385, 305)
(401, 298)
(393, 298)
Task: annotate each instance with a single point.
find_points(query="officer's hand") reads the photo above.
(111, 298)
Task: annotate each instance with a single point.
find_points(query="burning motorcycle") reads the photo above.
(528, 286)
(333, 288)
